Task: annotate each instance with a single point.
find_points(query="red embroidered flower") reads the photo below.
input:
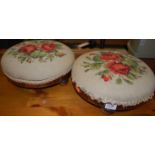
(106, 77)
(60, 54)
(48, 47)
(110, 56)
(119, 68)
(28, 49)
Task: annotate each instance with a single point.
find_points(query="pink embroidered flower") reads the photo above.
(48, 47)
(106, 77)
(28, 49)
(119, 68)
(110, 56)
(60, 54)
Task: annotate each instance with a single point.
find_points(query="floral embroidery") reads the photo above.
(125, 67)
(109, 56)
(40, 49)
(28, 49)
(48, 47)
(119, 68)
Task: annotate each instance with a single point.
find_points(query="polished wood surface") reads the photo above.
(54, 101)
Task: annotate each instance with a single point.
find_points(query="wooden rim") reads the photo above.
(48, 84)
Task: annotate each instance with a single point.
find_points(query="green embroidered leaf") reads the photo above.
(106, 71)
(89, 58)
(97, 59)
(141, 70)
(54, 51)
(42, 54)
(19, 57)
(96, 66)
(35, 54)
(28, 59)
(38, 54)
(131, 76)
(131, 63)
(118, 81)
(137, 70)
(23, 59)
(87, 70)
(14, 53)
(51, 57)
(86, 62)
(103, 72)
(134, 71)
(100, 73)
(128, 81)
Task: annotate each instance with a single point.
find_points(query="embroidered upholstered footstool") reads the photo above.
(113, 79)
(38, 63)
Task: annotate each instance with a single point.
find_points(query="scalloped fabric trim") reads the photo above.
(117, 102)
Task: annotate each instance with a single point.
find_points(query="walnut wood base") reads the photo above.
(101, 104)
(61, 80)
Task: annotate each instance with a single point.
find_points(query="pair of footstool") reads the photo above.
(110, 79)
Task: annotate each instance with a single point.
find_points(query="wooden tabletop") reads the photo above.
(54, 101)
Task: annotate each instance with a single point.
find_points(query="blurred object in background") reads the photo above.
(142, 48)
(81, 43)
(92, 43)
(95, 43)
(76, 43)
(115, 43)
(6, 43)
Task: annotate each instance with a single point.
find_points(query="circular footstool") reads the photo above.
(113, 79)
(37, 63)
